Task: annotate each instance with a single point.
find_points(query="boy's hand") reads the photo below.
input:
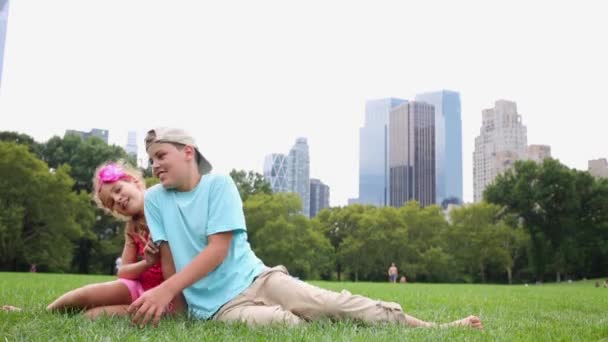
(151, 253)
(150, 306)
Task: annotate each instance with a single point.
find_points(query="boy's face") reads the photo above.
(170, 164)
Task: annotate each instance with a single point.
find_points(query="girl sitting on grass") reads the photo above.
(119, 190)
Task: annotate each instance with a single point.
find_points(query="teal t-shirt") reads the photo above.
(186, 219)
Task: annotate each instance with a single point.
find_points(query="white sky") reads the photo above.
(248, 77)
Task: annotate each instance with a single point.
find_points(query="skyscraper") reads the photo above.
(501, 142)
(319, 196)
(448, 143)
(298, 173)
(3, 20)
(412, 154)
(373, 152)
(131, 146)
(275, 172)
(598, 168)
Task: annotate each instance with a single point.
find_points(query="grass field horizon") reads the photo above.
(565, 311)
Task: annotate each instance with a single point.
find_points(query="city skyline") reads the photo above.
(252, 90)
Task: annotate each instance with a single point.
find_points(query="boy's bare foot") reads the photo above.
(471, 321)
(10, 308)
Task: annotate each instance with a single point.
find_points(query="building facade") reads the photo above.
(373, 152)
(448, 144)
(275, 172)
(598, 168)
(412, 154)
(319, 196)
(502, 141)
(298, 173)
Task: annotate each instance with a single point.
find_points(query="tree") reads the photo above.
(151, 181)
(84, 156)
(512, 245)
(250, 183)
(450, 200)
(425, 228)
(479, 238)
(22, 139)
(337, 224)
(554, 204)
(279, 235)
(40, 216)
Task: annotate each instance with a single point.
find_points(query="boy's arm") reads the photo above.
(205, 262)
(168, 267)
(151, 305)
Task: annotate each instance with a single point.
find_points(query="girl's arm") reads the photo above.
(131, 268)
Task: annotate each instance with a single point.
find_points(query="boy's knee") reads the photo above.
(93, 313)
(275, 315)
(336, 304)
(287, 318)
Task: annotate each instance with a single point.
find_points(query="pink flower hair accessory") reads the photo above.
(110, 174)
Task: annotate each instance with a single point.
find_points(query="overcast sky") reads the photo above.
(249, 77)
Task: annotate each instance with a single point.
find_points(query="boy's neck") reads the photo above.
(190, 183)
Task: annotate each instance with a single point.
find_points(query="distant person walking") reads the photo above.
(392, 273)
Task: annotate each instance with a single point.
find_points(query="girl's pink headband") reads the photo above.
(110, 174)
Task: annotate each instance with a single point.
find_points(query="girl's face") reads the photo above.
(125, 196)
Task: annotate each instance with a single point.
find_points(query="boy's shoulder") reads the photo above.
(217, 178)
(154, 191)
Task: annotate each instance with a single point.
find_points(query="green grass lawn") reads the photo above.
(576, 311)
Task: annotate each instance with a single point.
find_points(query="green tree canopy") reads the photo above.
(40, 216)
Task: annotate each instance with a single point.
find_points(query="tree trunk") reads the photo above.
(356, 276)
(83, 255)
(338, 271)
(510, 275)
(558, 277)
(482, 273)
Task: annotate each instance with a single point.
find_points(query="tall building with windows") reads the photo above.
(319, 196)
(501, 142)
(298, 173)
(131, 147)
(275, 172)
(374, 180)
(598, 168)
(412, 154)
(448, 144)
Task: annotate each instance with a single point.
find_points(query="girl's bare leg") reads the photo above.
(111, 310)
(94, 295)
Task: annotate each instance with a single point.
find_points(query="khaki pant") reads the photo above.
(276, 297)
